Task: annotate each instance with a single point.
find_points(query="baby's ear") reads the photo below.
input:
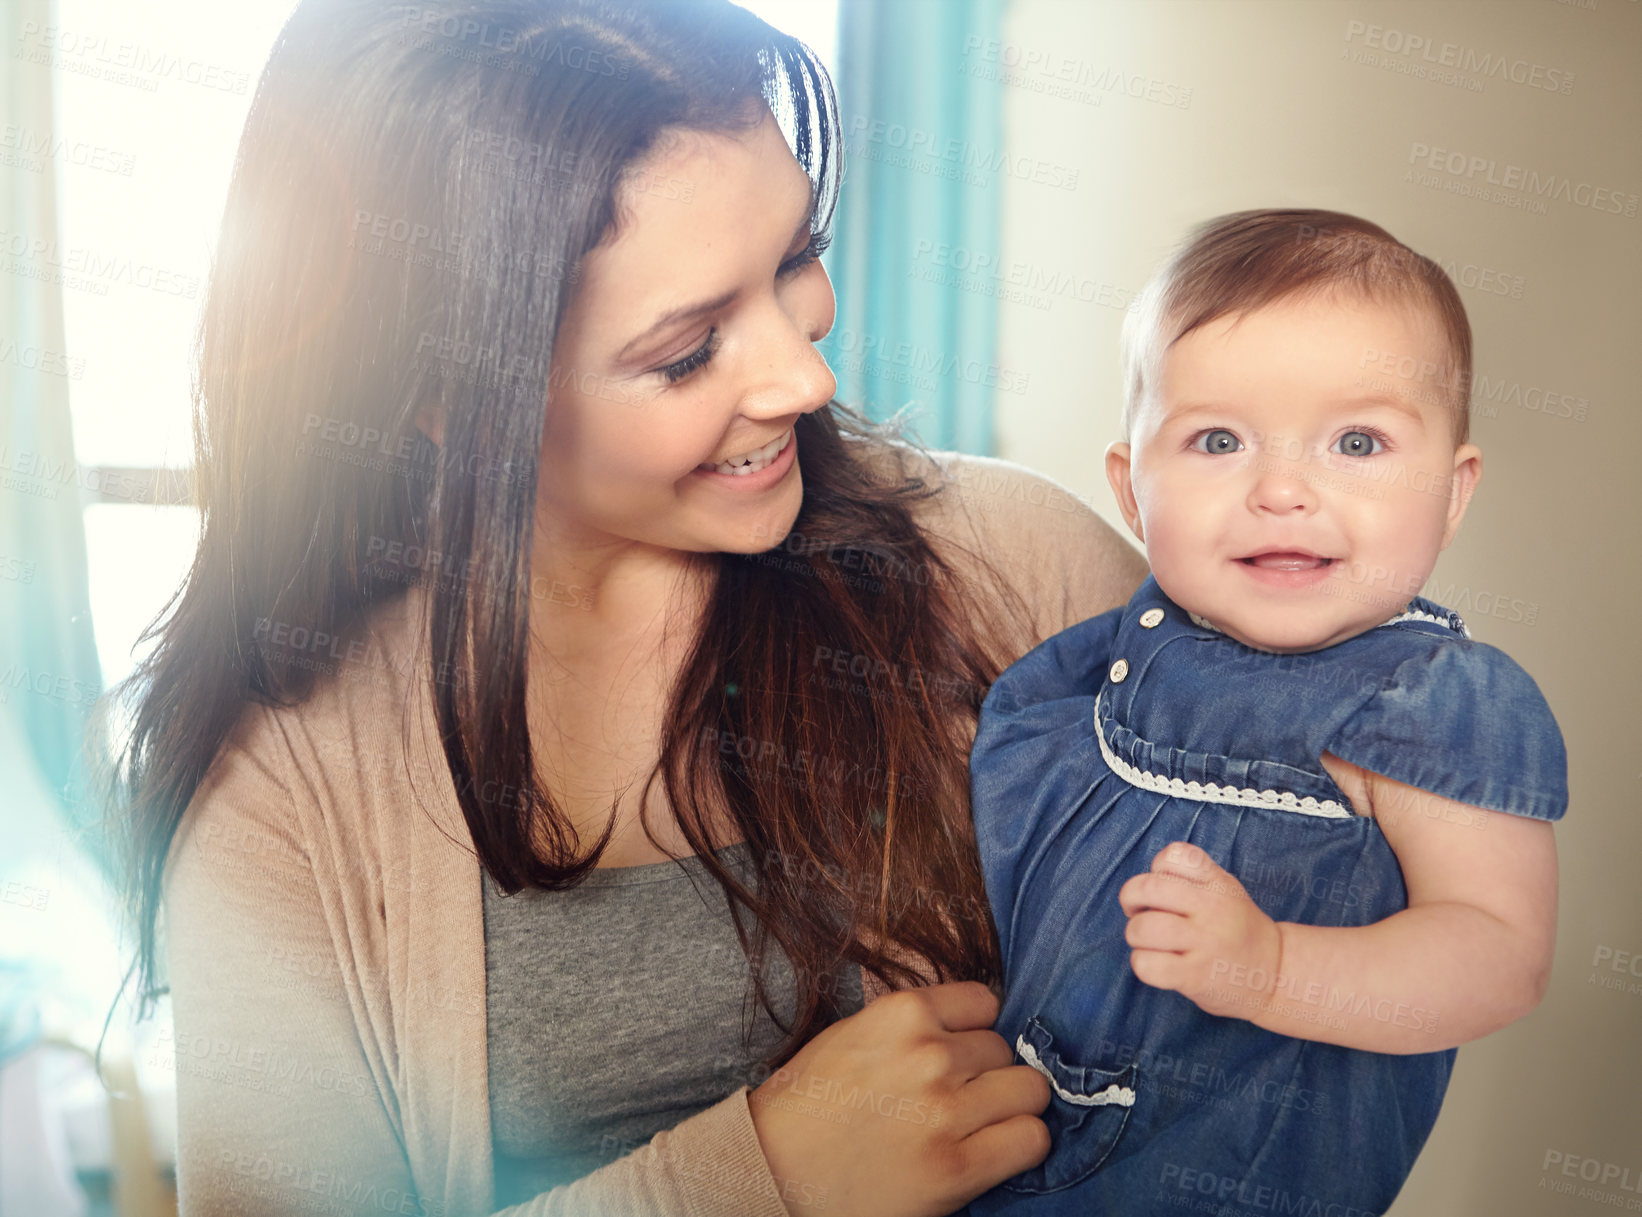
(1462, 485)
(1117, 473)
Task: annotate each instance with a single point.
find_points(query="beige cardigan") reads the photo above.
(325, 935)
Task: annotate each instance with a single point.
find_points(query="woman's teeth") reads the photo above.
(752, 462)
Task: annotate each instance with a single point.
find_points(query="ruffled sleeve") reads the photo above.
(1463, 720)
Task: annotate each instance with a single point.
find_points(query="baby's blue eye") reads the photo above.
(1218, 442)
(1358, 443)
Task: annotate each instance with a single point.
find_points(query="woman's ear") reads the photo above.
(1117, 473)
(430, 421)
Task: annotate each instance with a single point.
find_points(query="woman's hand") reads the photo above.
(908, 1108)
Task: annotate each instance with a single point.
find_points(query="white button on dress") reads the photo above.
(1150, 618)
(1119, 670)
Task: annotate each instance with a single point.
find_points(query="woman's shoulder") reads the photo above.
(288, 774)
(1065, 560)
(356, 672)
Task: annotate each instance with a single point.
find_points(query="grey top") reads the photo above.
(615, 1010)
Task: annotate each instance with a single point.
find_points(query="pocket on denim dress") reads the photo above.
(1089, 1108)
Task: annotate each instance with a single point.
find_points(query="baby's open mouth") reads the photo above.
(1287, 559)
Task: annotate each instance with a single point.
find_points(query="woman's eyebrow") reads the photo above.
(672, 316)
(687, 311)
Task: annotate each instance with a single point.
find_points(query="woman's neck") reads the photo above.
(590, 603)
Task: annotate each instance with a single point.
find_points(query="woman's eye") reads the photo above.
(1218, 442)
(807, 256)
(702, 355)
(1359, 443)
(695, 360)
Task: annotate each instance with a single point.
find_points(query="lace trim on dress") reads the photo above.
(1210, 792)
(1123, 1096)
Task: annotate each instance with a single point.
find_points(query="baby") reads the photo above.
(1266, 844)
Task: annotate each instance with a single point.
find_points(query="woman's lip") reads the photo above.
(711, 466)
(763, 479)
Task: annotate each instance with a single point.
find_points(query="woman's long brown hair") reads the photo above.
(415, 189)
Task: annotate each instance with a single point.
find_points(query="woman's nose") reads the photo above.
(788, 375)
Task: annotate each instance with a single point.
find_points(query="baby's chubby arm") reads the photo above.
(1470, 954)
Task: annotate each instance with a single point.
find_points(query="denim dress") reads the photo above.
(1147, 725)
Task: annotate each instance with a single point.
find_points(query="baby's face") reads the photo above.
(1284, 490)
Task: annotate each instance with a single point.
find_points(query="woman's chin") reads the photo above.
(760, 529)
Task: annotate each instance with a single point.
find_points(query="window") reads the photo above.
(811, 21)
(161, 91)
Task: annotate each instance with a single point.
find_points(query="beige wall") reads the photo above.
(1280, 113)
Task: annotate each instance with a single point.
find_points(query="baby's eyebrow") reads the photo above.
(1364, 401)
(1386, 401)
(1173, 414)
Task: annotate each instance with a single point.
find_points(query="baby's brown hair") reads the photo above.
(1248, 259)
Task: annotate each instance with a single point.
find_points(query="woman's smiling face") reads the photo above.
(690, 343)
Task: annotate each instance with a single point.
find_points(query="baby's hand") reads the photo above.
(1195, 930)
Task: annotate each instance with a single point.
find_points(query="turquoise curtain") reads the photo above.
(923, 133)
(49, 674)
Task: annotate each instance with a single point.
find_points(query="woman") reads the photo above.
(427, 951)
